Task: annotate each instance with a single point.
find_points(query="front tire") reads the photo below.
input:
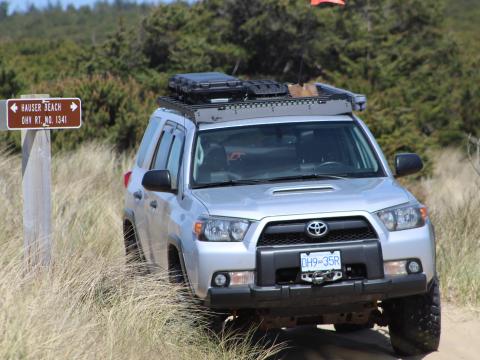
(212, 320)
(349, 328)
(135, 258)
(175, 270)
(415, 322)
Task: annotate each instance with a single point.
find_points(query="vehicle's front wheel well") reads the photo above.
(175, 268)
(133, 249)
(173, 258)
(129, 235)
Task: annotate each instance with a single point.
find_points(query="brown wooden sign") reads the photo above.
(48, 113)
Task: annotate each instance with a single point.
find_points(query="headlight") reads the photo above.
(403, 217)
(221, 229)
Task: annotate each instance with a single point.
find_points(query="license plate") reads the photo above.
(320, 261)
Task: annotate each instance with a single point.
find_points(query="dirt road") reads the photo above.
(460, 340)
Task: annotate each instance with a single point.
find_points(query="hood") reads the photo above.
(296, 198)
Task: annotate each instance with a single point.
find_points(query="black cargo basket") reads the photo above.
(260, 89)
(207, 88)
(214, 97)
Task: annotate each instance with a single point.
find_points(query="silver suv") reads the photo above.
(283, 210)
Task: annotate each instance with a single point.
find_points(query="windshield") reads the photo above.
(277, 152)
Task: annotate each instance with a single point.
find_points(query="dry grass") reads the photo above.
(453, 197)
(87, 306)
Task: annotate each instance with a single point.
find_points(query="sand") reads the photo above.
(460, 340)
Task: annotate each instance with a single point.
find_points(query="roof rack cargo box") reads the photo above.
(206, 88)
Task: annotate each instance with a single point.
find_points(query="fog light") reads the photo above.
(392, 268)
(241, 278)
(220, 280)
(414, 267)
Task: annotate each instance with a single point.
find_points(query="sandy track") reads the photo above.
(460, 340)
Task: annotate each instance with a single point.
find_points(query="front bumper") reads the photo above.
(339, 293)
(208, 258)
(268, 293)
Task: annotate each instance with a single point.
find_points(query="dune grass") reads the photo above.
(453, 197)
(87, 305)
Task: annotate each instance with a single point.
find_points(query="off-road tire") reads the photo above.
(175, 275)
(415, 322)
(175, 270)
(135, 258)
(348, 328)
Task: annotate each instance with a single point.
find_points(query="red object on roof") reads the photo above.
(318, 2)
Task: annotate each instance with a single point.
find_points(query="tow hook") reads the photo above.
(320, 277)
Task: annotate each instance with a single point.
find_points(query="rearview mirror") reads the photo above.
(157, 180)
(407, 164)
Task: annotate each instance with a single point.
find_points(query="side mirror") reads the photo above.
(407, 164)
(158, 180)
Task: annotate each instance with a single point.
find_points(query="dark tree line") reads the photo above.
(421, 80)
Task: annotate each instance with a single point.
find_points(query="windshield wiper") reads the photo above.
(229, 183)
(263, 181)
(308, 177)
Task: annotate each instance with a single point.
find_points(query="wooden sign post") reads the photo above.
(37, 198)
(35, 115)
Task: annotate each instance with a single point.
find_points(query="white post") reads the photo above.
(36, 182)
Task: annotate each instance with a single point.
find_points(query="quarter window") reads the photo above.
(146, 140)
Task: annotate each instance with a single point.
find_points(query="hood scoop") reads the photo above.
(295, 190)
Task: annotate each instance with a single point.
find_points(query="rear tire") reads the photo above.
(415, 322)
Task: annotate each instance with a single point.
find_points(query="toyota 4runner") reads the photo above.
(283, 209)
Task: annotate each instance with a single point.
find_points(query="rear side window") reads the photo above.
(147, 139)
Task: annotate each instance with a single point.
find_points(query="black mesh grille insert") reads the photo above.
(294, 232)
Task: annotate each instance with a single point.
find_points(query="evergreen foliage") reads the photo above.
(418, 68)
(9, 83)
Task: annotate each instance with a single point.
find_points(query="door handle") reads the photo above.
(153, 204)
(138, 194)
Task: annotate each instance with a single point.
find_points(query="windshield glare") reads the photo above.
(266, 152)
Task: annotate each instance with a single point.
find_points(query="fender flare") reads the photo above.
(174, 240)
(129, 215)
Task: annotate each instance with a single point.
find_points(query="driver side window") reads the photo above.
(169, 151)
(174, 158)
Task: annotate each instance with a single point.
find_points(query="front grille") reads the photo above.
(293, 232)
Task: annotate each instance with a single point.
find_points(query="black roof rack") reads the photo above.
(331, 101)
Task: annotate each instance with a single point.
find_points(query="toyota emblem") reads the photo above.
(317, 229)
